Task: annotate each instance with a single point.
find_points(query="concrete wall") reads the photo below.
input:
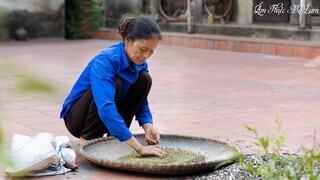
(242, 12)
(32, 5)
(115, 9)
(41, 18)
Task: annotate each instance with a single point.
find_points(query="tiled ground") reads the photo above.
(195, 92)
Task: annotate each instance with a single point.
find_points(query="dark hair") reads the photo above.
(141, 27)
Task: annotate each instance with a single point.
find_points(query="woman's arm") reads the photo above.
(152, 136)
(144, 150)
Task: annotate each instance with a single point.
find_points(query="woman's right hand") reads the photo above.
(150, 151)
(144, 150)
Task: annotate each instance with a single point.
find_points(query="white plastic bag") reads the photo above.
(32, 155)
(65, 152)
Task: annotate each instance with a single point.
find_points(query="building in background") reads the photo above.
(73, 19)
(43, 18)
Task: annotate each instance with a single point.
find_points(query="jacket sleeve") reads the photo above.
(144, 114)
(103, 89)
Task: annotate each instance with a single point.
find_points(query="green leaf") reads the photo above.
(250, 167)
(264, 141)
(289, 171)
(250, 128)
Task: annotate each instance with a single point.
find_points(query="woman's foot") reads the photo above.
(82, 141)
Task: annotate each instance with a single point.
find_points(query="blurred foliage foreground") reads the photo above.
(3, 17)
(24, 82)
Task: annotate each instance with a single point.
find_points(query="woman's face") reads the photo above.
(140, 50)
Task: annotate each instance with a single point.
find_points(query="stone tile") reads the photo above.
(10, 107)
(12, 126)
(54, 127)
(173, 126)
(23, 113)
(34, 103)
(37, 120)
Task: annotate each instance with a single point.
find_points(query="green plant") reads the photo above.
(276, 165)
(74, 15)
(310, 159)
(72, 20)
(97, 13)
(3, 16)
(4, 158)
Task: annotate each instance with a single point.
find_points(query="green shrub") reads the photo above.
(3, 16)
(97, 13)
(72, 20)
(282, 166)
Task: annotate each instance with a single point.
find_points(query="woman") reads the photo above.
(114, 87)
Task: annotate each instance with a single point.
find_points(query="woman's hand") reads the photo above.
(150, 151)
(144, 150)
(152, 136)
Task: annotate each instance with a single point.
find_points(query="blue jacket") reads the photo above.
(99, 75)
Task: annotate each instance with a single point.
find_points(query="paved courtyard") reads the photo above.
(196, 92)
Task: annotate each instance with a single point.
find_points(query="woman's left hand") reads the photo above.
(152, 136)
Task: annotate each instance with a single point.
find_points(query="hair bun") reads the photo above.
(123, 26)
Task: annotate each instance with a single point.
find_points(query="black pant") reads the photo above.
(83, 119)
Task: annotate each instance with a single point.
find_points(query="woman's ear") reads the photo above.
(126, 42)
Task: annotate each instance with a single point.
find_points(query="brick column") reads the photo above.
(86, 27)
